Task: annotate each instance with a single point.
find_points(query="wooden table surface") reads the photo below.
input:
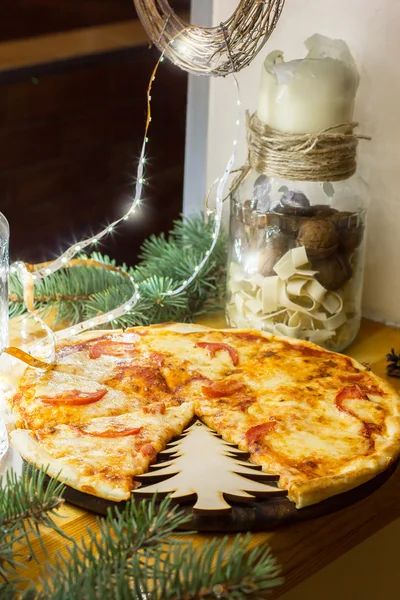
(304, 548)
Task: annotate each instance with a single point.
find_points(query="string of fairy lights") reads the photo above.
(30, 274)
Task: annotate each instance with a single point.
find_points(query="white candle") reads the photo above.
(310, 94)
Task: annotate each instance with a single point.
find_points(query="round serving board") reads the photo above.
(260, 515)
(220, 490)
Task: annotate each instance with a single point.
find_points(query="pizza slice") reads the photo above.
(319, 421)
(102, 457)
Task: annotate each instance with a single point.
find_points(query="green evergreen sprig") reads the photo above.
(132, 555)
(26, 503)
(82, 292)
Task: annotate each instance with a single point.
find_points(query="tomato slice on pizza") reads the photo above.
(213, 347)
(74, 398)
(112, 348)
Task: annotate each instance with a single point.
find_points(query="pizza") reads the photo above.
(319, 421)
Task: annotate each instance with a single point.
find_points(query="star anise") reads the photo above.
(393, 367)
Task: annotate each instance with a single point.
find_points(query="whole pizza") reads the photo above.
(98, 418)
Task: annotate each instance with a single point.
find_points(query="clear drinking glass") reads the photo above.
(296, 258)
(4, 265)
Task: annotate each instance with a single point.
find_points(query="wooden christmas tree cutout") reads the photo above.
(205, 466)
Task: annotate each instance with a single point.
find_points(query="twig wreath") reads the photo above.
(216, 51)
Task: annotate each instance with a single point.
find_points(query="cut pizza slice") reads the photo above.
(104, 456)
(323, 436)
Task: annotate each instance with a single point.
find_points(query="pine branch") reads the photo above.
(25, 504)
(134, 557)
(9, 591)
(214, 570)
(131, 556)
(104, 562)
(82, 292)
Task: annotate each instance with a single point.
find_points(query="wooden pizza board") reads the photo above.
(220, 490)
(260, 515)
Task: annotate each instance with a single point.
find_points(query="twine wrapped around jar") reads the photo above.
(329, 155)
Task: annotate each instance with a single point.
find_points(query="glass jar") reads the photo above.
(296, 258)
(4, 265)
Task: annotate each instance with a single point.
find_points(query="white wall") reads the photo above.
(197, 123)
(371, 29)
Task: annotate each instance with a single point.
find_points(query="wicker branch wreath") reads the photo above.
(214, 51)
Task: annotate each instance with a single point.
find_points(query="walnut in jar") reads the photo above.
(351, 230)
(322, 211)
(276, 245)
(332, 272)
(318, 236)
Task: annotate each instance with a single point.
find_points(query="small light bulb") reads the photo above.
(48, 271)
(34, 277)
(64, 260)
(138, 295)
(238, 103)
(185, 282)
(141, 180)
(94, 241)
(73, 332)
(147, 139)
(110, 317)
(196, 268)
(238, 122)
(143, 161)
(109, 229)
(128, 307)
(162, 59)
(126, 217)
(235, 143)
(77, 248)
